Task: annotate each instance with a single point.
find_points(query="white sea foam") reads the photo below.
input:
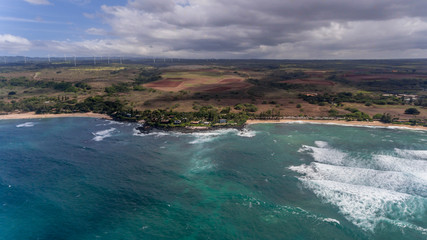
(366, 206)
(136, 132)
(27, 124)
(390, 180)
(246, 133)
(417, 168)
(321, 144)
(391, 187)
(100, 135)
(111, 122)
(331, 220)
(204, 137)
(156, 134)
(417, 154)
(325, 154)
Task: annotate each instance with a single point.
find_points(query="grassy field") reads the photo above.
(269, 85)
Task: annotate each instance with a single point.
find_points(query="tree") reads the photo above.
(412, 111)
(386, 118)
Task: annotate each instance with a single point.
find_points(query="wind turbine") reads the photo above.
(48, 57)
(108, 60)
(121, 60)
(75, 64)
(94, 60)
(65, 58)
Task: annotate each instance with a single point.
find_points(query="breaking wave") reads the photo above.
(390, 187)
(101, 135)
(204, 137)
(27, 124)
(246, 133)
(199, 137)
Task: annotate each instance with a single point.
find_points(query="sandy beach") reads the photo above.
(340, 122)
(33, 115)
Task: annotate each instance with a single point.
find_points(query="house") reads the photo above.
(177, 122)
(195, 122)
(164, 121)
(223, 121)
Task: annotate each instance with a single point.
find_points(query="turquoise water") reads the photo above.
(78, 178)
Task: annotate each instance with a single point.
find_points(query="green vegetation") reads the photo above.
(412, 111)
(246, 107)
(386, 118)
(59, 86)
(232, 90)
(118, 88)
(356, 115)
(148, 75)
(341, 97)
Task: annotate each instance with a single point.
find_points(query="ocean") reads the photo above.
(84, 178)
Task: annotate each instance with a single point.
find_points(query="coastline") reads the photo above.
(340, 122)
(33, 115)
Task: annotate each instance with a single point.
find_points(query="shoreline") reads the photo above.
(339, 123)
(33, 115)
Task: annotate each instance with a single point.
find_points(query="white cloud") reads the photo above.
(38, 2)
(96, 31)
(14, 44)
(256, 29)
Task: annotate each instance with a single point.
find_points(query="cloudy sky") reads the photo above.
(273, 29)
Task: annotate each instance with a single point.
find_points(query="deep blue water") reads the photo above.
(82, 178)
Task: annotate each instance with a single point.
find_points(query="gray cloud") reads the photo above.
(261, 29)
(244, 27)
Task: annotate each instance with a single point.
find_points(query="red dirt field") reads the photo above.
(168, 82)
(221, 87)
(218, 89)
(309, 82)
(231, 80)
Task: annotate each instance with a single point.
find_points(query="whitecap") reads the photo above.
(156, 134)
(417, 154)
(246, 133)
(390, 180)
(27, 124)
(204, 137)
(390, 163)
(331, 220)
(136, 132)
(100, 135)
(111, 122)
(325, 154)
(391, 187)
(366, 206)
(321, 144)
